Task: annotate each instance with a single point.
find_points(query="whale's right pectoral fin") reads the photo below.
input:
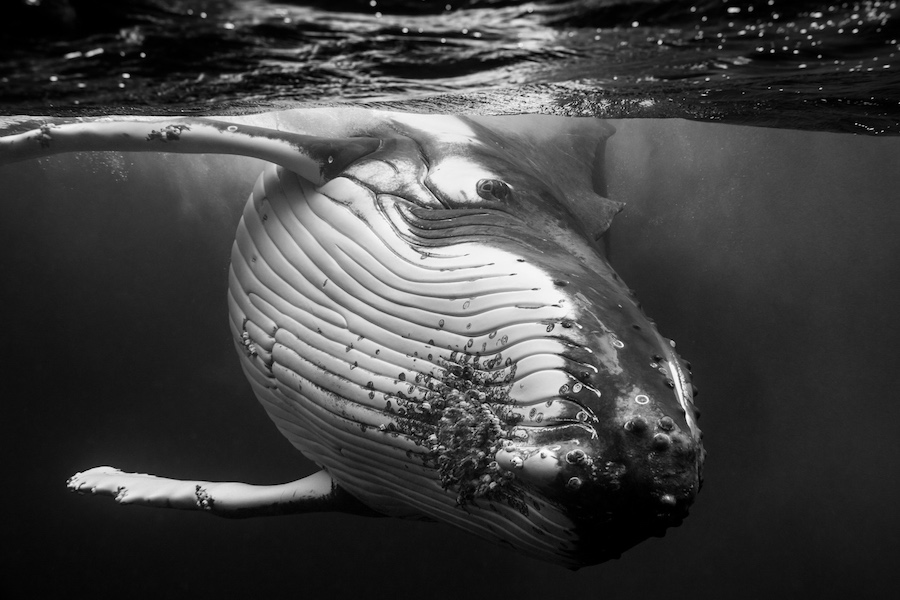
(315, 493)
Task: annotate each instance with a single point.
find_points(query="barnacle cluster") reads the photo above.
(466, 414)
(169, 133)
(247, 345)
(44, 137)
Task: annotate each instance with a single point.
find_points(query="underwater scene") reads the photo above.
(513, 258)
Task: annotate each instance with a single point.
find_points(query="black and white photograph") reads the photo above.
(477, 299)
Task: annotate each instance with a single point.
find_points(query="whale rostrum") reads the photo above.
(423, 308)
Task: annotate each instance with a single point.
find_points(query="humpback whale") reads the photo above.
(423, 307)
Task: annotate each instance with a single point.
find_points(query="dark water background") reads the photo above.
(768, 253)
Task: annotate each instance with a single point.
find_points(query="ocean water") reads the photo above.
(798, 64)
(757, 156)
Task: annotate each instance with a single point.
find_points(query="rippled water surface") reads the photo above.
(793, 64)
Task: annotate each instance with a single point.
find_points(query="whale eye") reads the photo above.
(493, 189)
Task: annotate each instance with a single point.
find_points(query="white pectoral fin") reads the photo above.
(314, 158)
(315, 493)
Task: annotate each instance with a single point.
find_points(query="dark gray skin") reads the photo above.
(594, 437)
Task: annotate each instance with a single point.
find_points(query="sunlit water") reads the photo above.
(778, 63)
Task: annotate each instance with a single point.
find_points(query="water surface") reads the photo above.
(780, 63)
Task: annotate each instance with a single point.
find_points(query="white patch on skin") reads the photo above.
(681, 390)
(607, 353)
(457, 178)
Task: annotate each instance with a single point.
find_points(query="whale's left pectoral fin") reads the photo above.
(314, 158)
(315, 493)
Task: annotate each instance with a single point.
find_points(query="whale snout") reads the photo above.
(616, 447)
(619, 480)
